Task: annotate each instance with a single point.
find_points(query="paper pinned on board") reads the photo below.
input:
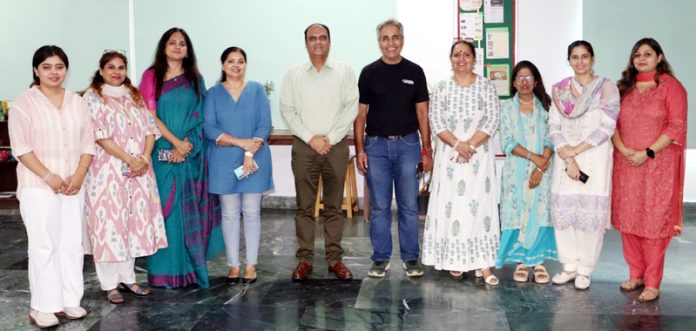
(497, 43)
(495, 11)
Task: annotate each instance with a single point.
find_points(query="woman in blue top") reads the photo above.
(238, 120)
(527, 235)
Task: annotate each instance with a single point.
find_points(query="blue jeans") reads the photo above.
(391, 164)
(233, 207)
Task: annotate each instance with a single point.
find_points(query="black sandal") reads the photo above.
(114, 296)
(134, 289)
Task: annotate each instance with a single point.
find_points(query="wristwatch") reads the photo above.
(650, 153)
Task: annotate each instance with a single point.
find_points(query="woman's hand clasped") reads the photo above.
(251, 145)
(462, 152)
(138, 166)
(540, 162)
(535, 178)
(248, 165)
(56, 183)
(183, 148)
(572, 169)
(635, 158)
(73, 184)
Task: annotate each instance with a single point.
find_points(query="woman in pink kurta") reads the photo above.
(124, 215)
(648, 178)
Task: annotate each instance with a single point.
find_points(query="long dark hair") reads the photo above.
(539, 89)
(43, 53)
(226, 53)
(628, 76)
(189, 63)
(98, 80)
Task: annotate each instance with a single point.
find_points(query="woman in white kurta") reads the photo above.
(581, 121)
(462, 231)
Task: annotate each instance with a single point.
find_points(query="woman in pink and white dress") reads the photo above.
(124, 215)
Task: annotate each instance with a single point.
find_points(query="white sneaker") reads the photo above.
(563, 277)
(582, 282)
(42, 320)
(73, 313)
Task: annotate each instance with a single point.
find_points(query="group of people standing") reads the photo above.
(150, 170)
(568, 174)
(170, 169)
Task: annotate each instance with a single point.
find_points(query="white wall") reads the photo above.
(543, 38)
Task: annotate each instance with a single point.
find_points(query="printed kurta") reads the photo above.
(462, 228)
(527, 235)
(123, 215)
(583, 114)
(647, 200)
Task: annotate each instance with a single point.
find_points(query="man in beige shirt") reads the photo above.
(319, 101)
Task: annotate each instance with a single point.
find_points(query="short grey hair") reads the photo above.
(392, 22)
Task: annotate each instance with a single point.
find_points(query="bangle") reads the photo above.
(456, 143)
(529, 156)
(83, 165)
(47, 177)
(249, 154)
(539, 169)
(472, 146)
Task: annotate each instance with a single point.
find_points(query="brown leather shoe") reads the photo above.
(341, 271)
(301, 271)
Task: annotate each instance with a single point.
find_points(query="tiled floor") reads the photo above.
(433, 302)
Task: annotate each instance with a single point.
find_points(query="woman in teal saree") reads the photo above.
(174, 88)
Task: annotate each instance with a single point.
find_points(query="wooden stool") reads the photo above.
(350, 199)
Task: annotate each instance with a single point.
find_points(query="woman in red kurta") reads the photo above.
(648, 178)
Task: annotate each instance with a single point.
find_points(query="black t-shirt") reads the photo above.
(392, 91)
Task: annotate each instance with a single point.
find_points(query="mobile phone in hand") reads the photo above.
(584, 177)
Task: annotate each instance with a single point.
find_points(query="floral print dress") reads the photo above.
(462, 230)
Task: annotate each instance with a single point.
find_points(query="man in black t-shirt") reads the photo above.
(394, 105)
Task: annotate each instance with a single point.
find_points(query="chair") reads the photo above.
(350, 199)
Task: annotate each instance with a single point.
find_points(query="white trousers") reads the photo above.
(579, 250)
(54, 231)
(112, 273)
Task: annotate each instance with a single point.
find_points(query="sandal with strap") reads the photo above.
(134, 289)
(490, 279)
(631, 285)
(521, 274)
(114, 296)
(541, 276)
(649, 294)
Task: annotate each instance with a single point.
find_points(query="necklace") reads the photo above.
(526, 102)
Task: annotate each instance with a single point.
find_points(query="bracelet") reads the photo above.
(472, 146)
(249, 154)
(47, 177)
(529, 156)
(83, 165)
(456, 143)
(539, 169)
